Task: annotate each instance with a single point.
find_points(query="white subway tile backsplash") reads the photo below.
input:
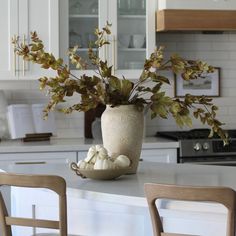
(175, 37)
(229, 92)
(225, 101)
(228, 83)
(228, 74)
(170, 46)
(224, 46)
(70, 133)
(62, 123)
(199, 37)
(232, 37)
(232, 110)
(225, 65)
(212, 55)
(75, 123)
(232, 55)
(191, 46)
(16, 85)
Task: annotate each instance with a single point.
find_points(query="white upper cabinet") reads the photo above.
(133, 31)
(8, 28)
(43, 17)
(19, 18)
(197, 4)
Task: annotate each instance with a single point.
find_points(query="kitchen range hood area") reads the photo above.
(177, 15)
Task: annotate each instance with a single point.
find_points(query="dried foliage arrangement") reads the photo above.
(105, 88)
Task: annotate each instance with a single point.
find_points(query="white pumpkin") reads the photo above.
(84, 165)
(122, 161)
(96, 152)
(103, 164)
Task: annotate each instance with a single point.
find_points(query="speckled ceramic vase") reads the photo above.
(122, 132)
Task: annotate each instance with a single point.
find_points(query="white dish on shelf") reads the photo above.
(94, 7)
(138, 40)
(124, 40)
(83, 7)
(76, 7)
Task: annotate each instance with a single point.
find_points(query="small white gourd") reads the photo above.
(96, 152)
(84, 165)
(122, 161)
(103, 164)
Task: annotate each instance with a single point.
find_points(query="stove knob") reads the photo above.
(197, 147)
(205, 146)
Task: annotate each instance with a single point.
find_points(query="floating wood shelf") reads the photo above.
(196, 20)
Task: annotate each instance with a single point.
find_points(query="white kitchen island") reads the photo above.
(119, 207)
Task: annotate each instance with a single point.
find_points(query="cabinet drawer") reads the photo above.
(159, 155)
(37, 158)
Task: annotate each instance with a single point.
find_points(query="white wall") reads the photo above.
(218, 50)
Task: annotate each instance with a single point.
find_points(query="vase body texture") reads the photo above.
(122, 132)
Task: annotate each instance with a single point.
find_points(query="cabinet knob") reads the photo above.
(197, 147)
(205, 146)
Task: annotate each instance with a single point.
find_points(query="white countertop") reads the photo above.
(73, 144)
(128, 189)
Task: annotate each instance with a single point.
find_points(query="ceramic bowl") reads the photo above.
(138, 40)
(107, 174)
(124, 40)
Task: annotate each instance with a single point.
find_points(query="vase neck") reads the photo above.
(122, 107)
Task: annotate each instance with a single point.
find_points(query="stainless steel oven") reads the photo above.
(196, 148)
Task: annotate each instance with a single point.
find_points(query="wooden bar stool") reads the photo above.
(223, 195)
(54, 183)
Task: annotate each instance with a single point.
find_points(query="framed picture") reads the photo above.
(208, 86)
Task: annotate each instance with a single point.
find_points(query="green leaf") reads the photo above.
(126, 87)
(175, 108)
(156, 88)
(114, 83)
(160, 78)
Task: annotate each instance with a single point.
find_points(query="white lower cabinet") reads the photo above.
(32, 160)
(165, 155)
(37, 158)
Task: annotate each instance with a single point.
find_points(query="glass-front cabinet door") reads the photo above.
(133, 39)
(133, 31)
(83, 19)
(80, 18)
